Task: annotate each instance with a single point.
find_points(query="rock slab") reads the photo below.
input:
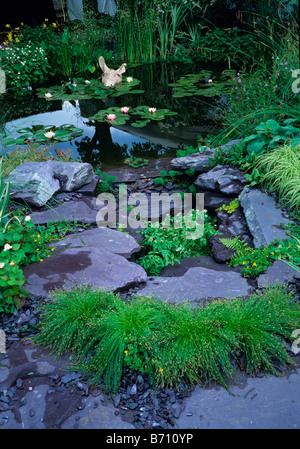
(103, 238)
(82, 267)
(263, 217)
(196, 285)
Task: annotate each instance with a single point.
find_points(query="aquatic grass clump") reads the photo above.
(170, 343)
(67, 319)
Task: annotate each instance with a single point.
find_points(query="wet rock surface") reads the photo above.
(42, 392)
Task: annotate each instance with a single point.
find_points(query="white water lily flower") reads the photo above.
(152, 110)
(48, 95)
(7, 246)
(2, 265)
(49, 134)
(129, 79)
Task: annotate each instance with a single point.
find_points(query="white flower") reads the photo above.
(152, 110)
(7, 246)
(27, 218)
(2, 265)
(48, 95)
(49, 134)
(129, 79)
(12, 264)
(87, 82)
(75, 85)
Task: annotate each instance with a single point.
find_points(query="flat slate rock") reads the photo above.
(83, 210)
(276, 274)
(81, 267)
(103, 238)
(196, 285)
(200, 160)
(263, 216)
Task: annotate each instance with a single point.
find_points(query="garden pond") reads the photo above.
(188, 100)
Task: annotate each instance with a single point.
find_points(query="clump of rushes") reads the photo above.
(171, 343)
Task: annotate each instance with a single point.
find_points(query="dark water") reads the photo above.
(105, 145)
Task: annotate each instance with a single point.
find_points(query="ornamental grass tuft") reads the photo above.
(171, 343)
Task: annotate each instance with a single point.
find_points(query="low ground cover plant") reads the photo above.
(255, 261)
(171, 343)
(167, 242)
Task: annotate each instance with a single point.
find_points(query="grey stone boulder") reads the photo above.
(278, 273)
(200, 160)
(36, 182)
(83, 210)
(263, 216)
(32, 185)
(196, 285)
(214, 201)
(82, 267)
(103, 238)
(72, 175)
(222, 179)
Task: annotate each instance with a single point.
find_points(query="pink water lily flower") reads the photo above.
(111, 117)
(124, 109)
(152, 110)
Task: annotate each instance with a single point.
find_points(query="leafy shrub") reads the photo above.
(270, 135)
(166, 245)
(25, 67)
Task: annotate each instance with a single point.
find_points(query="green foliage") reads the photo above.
(25, 66)
(23, 243)
(37, 135)
(255, 261)
(220, 45)
(136, 161)
(231, 207)
(82, 89)
(4, 195)
(170, 241)
(28, 154)
(270, 135)
(105, 183)
(171, 343)
(117, 117)
(194, 84)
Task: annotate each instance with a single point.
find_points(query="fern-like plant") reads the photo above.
(235, 244)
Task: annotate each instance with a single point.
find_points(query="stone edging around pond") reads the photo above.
(100, 255)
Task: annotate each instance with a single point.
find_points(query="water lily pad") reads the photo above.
(80, 89)
(119, 118)
(36, 135)
(203, 84)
